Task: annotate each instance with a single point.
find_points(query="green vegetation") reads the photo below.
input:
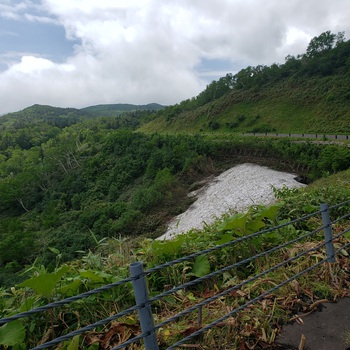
(308, 93)
(112, 110)
(84, 192)
(258, 325)
(92, 181)
(87, 180)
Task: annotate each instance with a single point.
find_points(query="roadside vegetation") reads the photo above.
(83, 193)
(254, 328)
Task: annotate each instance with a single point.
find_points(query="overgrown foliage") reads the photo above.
(86, 185)
(254, 328)
(92, 180)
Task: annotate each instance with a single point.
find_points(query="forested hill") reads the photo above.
(120, 108)
(69, 178)
(308, 93)
(40, 114)
(83, 192)
(37, 124)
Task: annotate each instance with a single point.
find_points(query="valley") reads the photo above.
(85, 192)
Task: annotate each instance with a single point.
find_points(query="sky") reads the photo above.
(78, 53)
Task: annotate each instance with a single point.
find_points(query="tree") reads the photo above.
(243, 79)
(216, 89)
(324, 42)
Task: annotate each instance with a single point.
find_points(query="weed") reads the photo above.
(347, 337)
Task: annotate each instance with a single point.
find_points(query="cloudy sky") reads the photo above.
(76, 53)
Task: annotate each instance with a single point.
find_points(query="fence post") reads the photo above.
(145, 312)
(327, 232)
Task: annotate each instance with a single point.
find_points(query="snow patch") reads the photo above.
(235, 190)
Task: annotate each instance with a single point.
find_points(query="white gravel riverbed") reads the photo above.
(235, 190)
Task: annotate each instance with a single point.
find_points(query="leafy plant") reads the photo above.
(201, 266)
(45, 283)
(12, 334)
(254, 220)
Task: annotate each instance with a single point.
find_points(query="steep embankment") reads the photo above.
(317, 105)
(308, 93)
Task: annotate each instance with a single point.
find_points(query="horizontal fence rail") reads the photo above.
(143, 303)
(306, 136)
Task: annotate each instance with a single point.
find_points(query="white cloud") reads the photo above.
(34, 65)
(141, 51)
(41, 19)
(17, 10)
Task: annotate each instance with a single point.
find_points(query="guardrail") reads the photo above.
(143, 303)
(304, 135)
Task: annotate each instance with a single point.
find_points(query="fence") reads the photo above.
(306, 136)
(143, 303)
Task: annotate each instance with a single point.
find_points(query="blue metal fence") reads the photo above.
(143, 304)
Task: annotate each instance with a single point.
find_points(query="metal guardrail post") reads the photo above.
(328, 232)
(145, 312)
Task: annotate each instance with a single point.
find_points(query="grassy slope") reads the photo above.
(305, 105)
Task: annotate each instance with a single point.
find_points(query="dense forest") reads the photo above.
(69, 178)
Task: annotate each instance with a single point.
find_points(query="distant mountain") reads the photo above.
(63, 117)
(45, 110)
(43, 114)
(107, 110)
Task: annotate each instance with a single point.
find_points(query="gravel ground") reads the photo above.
(235, 190)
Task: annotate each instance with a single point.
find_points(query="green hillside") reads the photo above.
(42, 114)
(83, 193)
(68, 178)
(35, 125)
(107, 110)
(308, 93)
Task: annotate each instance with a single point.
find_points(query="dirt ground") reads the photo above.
(328, 329)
